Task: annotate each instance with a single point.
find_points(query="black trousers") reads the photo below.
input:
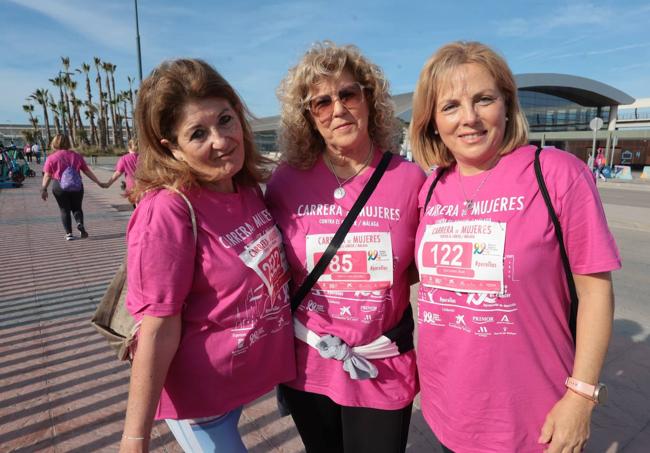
(69, 203)
(327, 427)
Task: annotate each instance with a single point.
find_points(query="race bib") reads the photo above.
(464, 256)
(266, 257)
(363, 262)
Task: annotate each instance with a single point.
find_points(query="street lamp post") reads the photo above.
(137, 40)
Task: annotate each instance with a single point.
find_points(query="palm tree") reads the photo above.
(107, 67)
(55, 110)
(90, 113)
(76, 103)
(124, 96)
(27, 135)
(103, 132)
(41, 96)
(81, 130)
(131, 80)
(65, 62)
(118, 122)
(29, 109)
(58, 82)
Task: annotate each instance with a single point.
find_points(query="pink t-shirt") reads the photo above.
(492, 365)
(231, 289)
(58, 161)
(126, 164)
(359, 309)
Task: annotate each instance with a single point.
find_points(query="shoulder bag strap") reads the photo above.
(441, 171)
(338, 238)
(573, 314)
(189, 205)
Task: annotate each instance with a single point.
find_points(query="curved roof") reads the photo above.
(580, 90)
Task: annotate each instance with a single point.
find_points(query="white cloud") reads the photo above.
(98, 22)
(567, 18)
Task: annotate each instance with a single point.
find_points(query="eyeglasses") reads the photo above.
(351, 96)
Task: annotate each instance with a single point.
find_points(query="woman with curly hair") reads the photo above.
(337, 122)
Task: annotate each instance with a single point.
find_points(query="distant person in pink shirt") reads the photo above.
(212, 300)
(499, 370)
(338, 121)
(126, 166)
(62, 169)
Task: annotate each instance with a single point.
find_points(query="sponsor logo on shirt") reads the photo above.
(459, 323)
(482, 332)
(504, 320)
(313, 306)
(482, 319)
(431, 318)
(505, 331)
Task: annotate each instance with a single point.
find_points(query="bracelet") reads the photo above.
(43, 189)
(132, 438)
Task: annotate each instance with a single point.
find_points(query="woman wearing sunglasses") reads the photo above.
(337, 122)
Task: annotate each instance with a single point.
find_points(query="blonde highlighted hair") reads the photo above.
(60, 141)
(300, 141)
(161, 99)
(428, 148)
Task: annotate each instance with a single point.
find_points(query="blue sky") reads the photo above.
(253, 43)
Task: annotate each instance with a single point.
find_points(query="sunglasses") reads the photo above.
(322, 106)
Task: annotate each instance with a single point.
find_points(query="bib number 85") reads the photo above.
(341, 263)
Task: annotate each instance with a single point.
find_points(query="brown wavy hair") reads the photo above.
(300, 141)
(428, 147)
(161, 98)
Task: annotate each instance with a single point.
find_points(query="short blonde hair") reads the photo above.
(161, 99)
(300, 141)
(428, 148)
(60, 141)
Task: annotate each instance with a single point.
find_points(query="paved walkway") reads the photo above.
(61, 390)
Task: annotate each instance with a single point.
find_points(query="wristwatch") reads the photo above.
(597, 393)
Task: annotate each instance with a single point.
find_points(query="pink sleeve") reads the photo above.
(47, 168)
(82, 163)
(120, 164)
(590, 245)
(161, 254)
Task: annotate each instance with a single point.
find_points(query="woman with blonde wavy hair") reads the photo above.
(207, 276)
(499, 369)
(337, 122)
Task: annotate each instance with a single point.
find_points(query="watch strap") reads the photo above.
(581, 387)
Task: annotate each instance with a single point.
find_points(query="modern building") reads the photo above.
(559, 109)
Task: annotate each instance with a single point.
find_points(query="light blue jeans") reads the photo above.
(214, 435)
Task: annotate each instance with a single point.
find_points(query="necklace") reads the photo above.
(468, 203)
(339, 192)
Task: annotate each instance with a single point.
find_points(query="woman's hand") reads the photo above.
(566, 428)
(46, 182)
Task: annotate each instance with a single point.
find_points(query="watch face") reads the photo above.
(600, 395)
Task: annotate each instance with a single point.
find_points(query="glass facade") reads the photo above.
(266, 141)
(547, 113)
